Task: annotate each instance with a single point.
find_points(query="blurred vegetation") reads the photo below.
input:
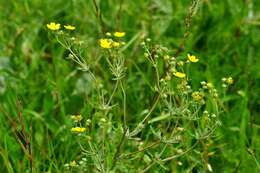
(37, 80)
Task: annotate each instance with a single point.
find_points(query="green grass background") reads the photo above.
(225, 34)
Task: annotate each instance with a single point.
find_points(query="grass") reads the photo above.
(40, 87)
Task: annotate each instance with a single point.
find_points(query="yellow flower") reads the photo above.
(69, 27)
(192, 58)
(105, 43)
(179, 74)
(78, 129)
(53, 26)
(197, 96)
(73, 163)
(77, 118)
(116, 44)
(119, 34)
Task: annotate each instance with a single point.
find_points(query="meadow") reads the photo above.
(111, 86)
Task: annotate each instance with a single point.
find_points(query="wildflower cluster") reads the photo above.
(197, 96)
(80, 165)
(209, 87)
(56, 26)
(227, 82)
(108, 43)
(77, 120)
(178, 114)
